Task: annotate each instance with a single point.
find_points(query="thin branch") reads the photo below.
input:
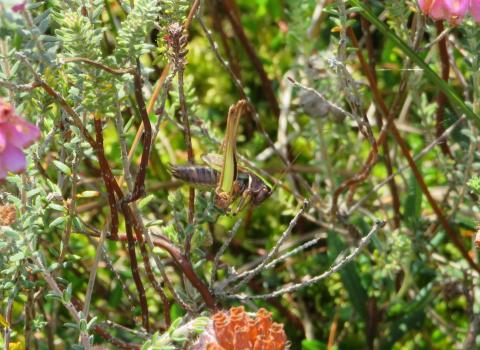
(390, 125)
(72, 204)
(129, 180)
(93, 272)
(159, 84)
(139, 187)
(293, 252)
(333, 269)
(442, 98)
(18, 87)
(246, 276)
(223, 248)
(420, 155)
(116, 71)
(370, 67)
(111, 183)
(178, 41)
(231, 11)
(59, 293)
(349, 87)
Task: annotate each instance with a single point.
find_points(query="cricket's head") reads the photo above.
(260, 191)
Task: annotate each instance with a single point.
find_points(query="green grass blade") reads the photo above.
(350, 277)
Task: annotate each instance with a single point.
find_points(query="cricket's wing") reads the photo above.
(196, 175)
(215, 160)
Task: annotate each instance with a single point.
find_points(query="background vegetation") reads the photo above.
(362, 113)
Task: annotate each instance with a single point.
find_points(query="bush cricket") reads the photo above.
(230, 180)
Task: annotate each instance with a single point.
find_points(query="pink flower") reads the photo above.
(457, 9)
(450, 10)
(20, 7)
(475, 9)
(435, 9)
(15, 135)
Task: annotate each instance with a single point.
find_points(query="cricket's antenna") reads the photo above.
(284, 173)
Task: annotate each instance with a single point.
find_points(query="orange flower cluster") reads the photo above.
(237, 331)
(8, 215)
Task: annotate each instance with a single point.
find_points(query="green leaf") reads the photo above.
(53, 296)
(33, 192)
(83, 325)
(56, 207)
(312, 344)
(11, 233)
(145, 201)
(63, 167)
(71, 325)
(17, 257)
(350, 277)
(413, 319)
(154, 223)
(413, 201)
(88, 194)
(57, 222)
(67, 294)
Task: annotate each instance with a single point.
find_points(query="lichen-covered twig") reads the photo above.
(333, 269)
(246, 276)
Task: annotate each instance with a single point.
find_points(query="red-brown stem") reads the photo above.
(231, 11)
(357, 178)
(138, 229)
(120, 344)
(418, 176)
(441, 98)
(217, 25)
(159, 85)
(386, 150)
(112, 203)
(139, 187)
(183, 264)
(109, 182)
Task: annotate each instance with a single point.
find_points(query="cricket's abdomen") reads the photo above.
(198, 175)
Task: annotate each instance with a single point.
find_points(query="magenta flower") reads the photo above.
(15, 135)
(457, 9)
(475, 9)
(451, 10)
(435, 9)
(20, 7)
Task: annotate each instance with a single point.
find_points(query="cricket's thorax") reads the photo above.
(200, 175)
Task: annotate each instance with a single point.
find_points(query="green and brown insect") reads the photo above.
(231, 181)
